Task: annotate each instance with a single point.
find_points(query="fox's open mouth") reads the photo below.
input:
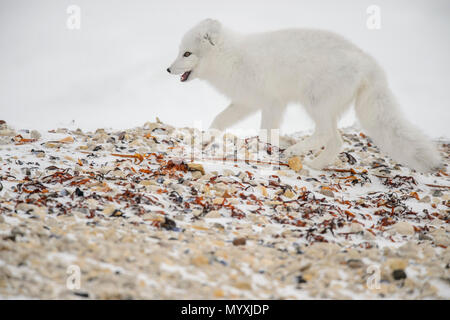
(185, 75)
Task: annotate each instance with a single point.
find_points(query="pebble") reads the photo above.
(397, 263)
(399, 274)
(289, 194)
(107, 210)
(239, 241)
(196, 175)
(218, 200)
(213, 214)
(355, 264)
(199, 260)
(168, 235)
(356, 227)
(295, 164)
(196, 167)
(35, 134)
(67, 139)
(403, 228)
(264, 191)
(437, 193)
(326, 192)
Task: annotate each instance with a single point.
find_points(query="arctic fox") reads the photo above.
(320, 70)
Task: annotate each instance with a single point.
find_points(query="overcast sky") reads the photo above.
(111, 72)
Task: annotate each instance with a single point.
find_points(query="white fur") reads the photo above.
(319, 70)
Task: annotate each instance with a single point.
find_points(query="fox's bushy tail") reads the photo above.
(379, 114)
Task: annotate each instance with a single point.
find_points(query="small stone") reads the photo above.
(81, 294)
(116, 213)
(109, 210)
(273, 202)
(356, 227)
(218, 226)
(40, 154)
(264, 191)
(196, 175)
(441, 240)
(218, 293)
(399, 274)
(437, 193)
(397, 264)
(289, 194)
(220, 187)
(147, 182)
(425, 199)
(168, 224)
(52, 145)
(304, 172)
(239, 241)
(295, 164)
(68, 139)
(355, 263)
(199, 260)
(196, 212)
(213, 214)
(35, 134)
(218, 200)
(308, 276)
(327, 192)
(424, 236)
(196, 167)
(243, 285)
(7, 132)
(403, 228)
(79, 193)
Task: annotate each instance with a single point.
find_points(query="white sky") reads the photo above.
(111, 72)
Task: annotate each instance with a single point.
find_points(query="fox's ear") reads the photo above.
(211, 31)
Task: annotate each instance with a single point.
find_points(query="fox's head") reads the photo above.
(194, 49)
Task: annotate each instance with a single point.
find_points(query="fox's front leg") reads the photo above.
(271, 118)
(230, 116)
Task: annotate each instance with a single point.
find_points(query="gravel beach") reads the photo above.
(158, 212)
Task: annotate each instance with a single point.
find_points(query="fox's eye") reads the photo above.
(186, 54)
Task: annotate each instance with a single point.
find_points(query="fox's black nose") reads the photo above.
(168, 70)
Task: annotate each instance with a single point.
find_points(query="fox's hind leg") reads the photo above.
(303, 147)
(328, 155)
(325, 135)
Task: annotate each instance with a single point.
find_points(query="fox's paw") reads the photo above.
(290, 152)
(295, 150)
(286, 142)
(314, 164)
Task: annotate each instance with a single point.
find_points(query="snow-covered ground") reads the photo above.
(151, 213)
(111, 72)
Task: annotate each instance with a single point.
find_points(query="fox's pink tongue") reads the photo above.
(185, 75)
